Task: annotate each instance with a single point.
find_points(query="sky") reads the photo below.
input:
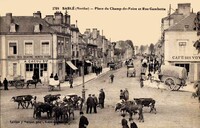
(141, 26)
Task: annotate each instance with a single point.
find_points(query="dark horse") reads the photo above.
(33, 82)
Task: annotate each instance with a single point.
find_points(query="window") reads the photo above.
(12, 48)
(58, 46)
(77, 54)
(29, 67)
(28, 48)
(45, 48)
(182, 47)
(43, 67)
(14, 69)
(187, 66)
(73, 53)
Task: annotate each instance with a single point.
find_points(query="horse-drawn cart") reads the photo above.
(17, 82)
(174, 77)
(54, 84)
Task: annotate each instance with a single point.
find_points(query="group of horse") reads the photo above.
(135, 106)
(61, 109)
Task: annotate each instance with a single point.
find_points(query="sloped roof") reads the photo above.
(186, 24)
(25, 25)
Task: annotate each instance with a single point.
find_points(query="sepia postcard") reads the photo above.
(99, 64)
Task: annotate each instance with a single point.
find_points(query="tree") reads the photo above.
(151, 48)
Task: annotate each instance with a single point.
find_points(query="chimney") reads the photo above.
(66, 18)
(9, 18)
(49, 19)
(94, 33)
(37, 14)
(184, 9)
(98, 32)
(58, 17)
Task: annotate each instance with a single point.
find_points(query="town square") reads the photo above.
(56, 73)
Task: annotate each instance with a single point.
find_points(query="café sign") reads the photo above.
(186, 58)
(36, 61)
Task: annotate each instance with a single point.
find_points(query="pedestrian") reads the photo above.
(56, 77)
(124, 122)
(95, 103)
(83, 122)
(51, 76)
(126, 94)
(140, 113)
(132, 123)
(121, 96)
(111, 78)
(142, 80)
(71, 81)
(101, 98)
(90, 104)
(5, 83)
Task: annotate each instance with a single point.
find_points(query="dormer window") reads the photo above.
(13, 27)
(37, 28)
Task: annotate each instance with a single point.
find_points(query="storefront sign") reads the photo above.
(36, 61)
(186, 58)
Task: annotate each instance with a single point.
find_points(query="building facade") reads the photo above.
(30, 45)
(179, 44)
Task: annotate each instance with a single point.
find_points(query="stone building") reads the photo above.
(32, 45)
(179, 41)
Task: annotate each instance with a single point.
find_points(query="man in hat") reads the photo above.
(90, 104)
(124, 122)
(101, 98)
(71, 81)
(132, 123)
(95, 103)
(83, 122)
(111, 78)
(5, 83)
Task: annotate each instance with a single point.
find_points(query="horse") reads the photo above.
(33, 82)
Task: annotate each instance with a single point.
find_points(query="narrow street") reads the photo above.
(174, 109)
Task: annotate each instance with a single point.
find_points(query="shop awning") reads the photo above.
(87, 61)
(71, 65)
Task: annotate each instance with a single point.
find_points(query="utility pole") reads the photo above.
(169, 14)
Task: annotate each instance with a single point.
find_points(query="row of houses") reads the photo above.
(41, 46)
(180, 41)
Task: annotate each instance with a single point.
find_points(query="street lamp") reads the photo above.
(83, 70)
(83, 75)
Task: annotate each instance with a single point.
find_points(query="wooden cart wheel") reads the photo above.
(170, 83)
(19, 84)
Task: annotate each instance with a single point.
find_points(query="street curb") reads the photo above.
(102, 74)
(93, 78)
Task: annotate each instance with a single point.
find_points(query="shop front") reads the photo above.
(191, 63)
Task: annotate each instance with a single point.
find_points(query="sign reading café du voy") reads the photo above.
(185, 58)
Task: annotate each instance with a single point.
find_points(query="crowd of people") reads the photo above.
(92, 102)
(149, 66)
